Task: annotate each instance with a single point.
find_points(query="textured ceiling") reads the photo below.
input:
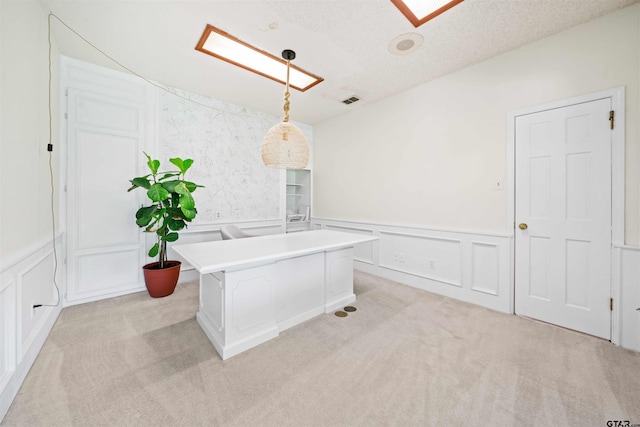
(344, 41)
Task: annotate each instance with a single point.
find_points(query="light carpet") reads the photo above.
(405, 357)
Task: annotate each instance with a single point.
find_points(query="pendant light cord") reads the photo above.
(287, 94)
(51, 180)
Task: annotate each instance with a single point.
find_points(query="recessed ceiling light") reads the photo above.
(405, 44)
(420, 11)
(221, 45)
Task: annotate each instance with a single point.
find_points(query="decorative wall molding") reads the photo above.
(24, 329)
(478, 268)
(472, 267)
(485, 267)
(626, 297)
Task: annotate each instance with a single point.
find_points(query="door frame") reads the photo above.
(617, 96)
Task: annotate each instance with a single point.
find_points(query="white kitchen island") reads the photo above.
(253, 288)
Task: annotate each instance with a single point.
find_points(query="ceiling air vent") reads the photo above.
(351, 100)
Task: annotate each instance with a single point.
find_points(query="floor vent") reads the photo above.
(351, 100)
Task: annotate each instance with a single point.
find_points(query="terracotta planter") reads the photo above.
(161, 282)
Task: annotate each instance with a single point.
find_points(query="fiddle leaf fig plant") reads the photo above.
(172, 205)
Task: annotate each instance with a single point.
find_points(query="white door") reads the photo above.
(105, 249)
(563, 198)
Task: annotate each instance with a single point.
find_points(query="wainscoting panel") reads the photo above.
(7, 330)
(626, 302)
(98, 272)
(485, 267)
(425, 256)
(471, 267)
(25, 280)
(32, 284)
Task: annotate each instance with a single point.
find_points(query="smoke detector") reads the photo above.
(405, 44)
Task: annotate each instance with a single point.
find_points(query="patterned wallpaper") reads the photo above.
(224, 140)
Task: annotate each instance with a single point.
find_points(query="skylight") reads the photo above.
(221, 45)
(420, 11)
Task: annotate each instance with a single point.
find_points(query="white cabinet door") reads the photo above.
(563, 195)
(105, 247)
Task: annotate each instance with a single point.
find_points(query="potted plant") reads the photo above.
(172, 207)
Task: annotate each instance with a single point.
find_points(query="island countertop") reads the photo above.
(223, 255)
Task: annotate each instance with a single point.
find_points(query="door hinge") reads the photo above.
(612, 115)
(611, 304)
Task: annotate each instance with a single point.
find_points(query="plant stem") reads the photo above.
(163, 253)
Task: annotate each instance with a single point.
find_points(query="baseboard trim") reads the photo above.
(18, 376)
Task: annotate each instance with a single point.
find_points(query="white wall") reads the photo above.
(26, 253)
(430, 157)
(24, 131)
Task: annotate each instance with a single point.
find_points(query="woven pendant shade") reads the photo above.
(284, 146)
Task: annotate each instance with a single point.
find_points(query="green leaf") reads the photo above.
(146, 211)
(171, 185)
(178, 162)
(183, 165)
(176, 224)
(189, 214)
(141, 182)
(191, 186)
(154, 250)
(154, 165)
(175, 213)
(181, 188)
(187, 164)
(157, 193)
(171, 237)
(144, 221)
(187, 202)
(168, 175)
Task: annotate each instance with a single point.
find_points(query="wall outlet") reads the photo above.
(218, 214)
(398, 256)
(432, 264)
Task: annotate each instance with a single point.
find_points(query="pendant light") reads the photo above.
(284, 146)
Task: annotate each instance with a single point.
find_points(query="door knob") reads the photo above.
(523, 226)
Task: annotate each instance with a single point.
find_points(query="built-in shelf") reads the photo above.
(298, 199)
